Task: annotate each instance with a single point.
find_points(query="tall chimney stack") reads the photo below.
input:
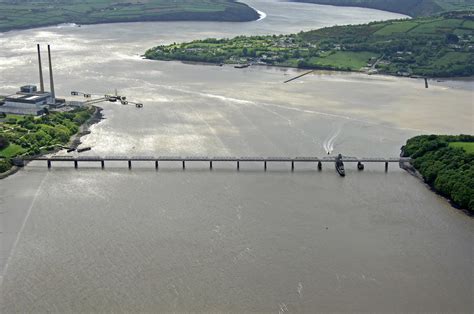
(40, 70)
(51, 80)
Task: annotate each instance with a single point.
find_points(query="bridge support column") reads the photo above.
(238, 165)
(102, 164)
(386, 166)
(265, 165)
(156, 164)
(210, 165)
(184, 165)
(129, 164)
(320, 165)
(292, 166)
(360, 166)
(76, 164)
(49, 164)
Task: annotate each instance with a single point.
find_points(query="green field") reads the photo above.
(467, 146)
(35, 13)
(440, 46)
(11, 151)
(344, 59)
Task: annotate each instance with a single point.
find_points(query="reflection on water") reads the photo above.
(173, 240)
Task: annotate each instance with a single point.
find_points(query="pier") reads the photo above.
(183, 161)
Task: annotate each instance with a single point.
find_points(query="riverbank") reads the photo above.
(424, 47)
(445, 166)
(73, 142)
(15, 16)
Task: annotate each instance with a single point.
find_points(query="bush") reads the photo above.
(4, 165)
(4, 142)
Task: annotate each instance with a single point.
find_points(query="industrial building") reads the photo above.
(30, 101)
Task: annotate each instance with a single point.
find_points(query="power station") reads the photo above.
(31, 101)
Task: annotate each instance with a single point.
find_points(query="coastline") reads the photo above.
(74, 140)
(211, 16)
(408, 167)
(436, 78)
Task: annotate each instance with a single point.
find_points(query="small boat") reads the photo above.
(80, 150)
(241, 66)
(340, 166)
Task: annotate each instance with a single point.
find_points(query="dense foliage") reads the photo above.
(28, 135)
(449, 169)
(437, 46)
(413, 8)
(16, 14)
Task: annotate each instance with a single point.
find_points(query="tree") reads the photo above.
(4, 142)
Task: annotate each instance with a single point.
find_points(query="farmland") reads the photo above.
(30, 14)
(440, 46)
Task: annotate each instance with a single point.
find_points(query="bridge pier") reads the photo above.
(386, 166)
(184, 165)
(102, 164)
(360, 166)
(156, 164)
(210, 165)
(320, 166)
(76, 164)
(49, 164)
(238, 165)
(129, 164)
(292, 166)
(265, 165)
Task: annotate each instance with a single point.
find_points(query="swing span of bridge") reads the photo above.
(212, 160)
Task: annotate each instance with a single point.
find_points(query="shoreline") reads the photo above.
(408, 167)
(74, 140)
(435, 78)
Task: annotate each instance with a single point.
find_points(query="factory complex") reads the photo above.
(31, 101)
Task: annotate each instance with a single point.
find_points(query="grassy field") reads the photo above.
(440, 46)
(29, 13)
(345, 59)
(467, 146)
(11, 151)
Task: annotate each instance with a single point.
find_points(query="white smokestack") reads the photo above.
(40, 70)
(51, 80)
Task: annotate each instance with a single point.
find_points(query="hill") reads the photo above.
(413, 8)
(36, 13)
(441, 46)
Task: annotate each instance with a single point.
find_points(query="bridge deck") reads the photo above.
(216, 159)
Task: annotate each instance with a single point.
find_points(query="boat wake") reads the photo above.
(328, 143)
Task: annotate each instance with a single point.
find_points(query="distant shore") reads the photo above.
(17, 17)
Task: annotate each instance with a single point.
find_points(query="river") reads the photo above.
(116, 240)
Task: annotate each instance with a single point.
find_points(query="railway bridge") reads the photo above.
(182, 161)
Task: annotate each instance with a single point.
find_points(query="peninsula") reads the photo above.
(438, 46)
(413, 8)
(29, 14)
(446, 164)
(26, 135)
